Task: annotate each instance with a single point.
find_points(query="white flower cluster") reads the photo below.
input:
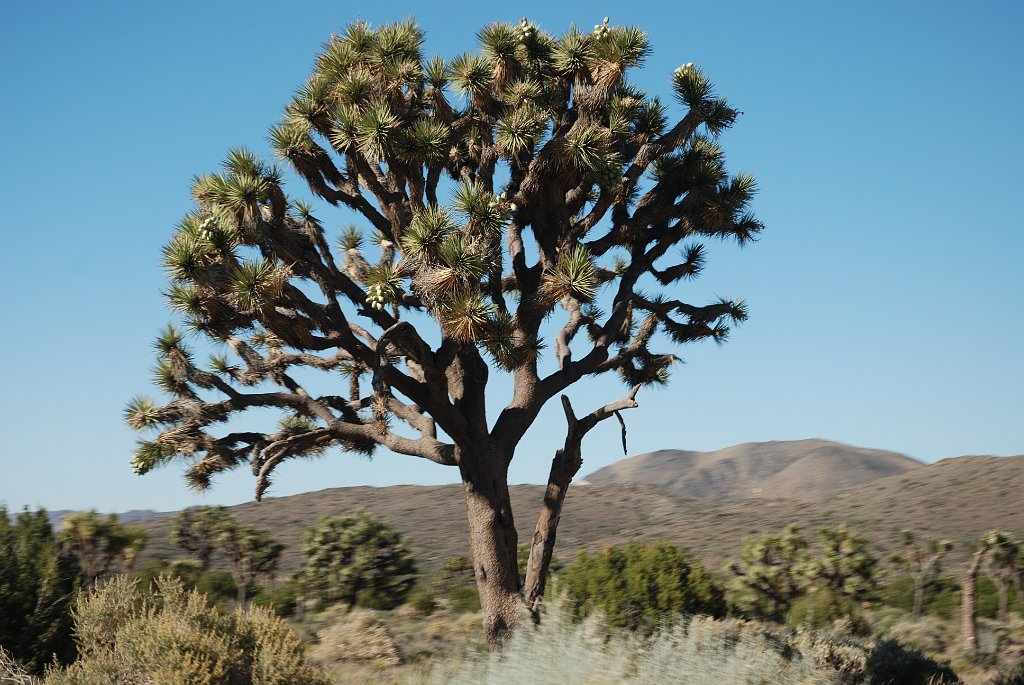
(601, 30)
(684, 68)
(526, 30)
(141, 465)
(502, 201)
(377, 296)
(204, 228)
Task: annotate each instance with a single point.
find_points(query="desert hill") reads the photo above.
(959, 499)
(793, 469)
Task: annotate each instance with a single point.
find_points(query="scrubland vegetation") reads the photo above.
(553, 189)
(784, 610)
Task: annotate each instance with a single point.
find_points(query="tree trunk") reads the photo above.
(243, 595)
(492, 542)
(565, 465)
(1003, 592)
(918, 598)
(969, 604)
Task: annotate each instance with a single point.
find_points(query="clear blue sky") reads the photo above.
(885, 295)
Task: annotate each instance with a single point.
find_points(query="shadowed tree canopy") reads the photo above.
(528, 185)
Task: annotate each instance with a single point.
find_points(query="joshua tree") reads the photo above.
(922, 559)
(495, 188)
(969, 600)
(196, 529)
(359, 560)
(770, 572)
(250, 553)
(1000, 566)
(844, 567)
(101, 544)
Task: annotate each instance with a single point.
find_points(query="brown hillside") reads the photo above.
(959, 499)
(793, 469)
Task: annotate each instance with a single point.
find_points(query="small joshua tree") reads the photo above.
(102, 544)
(197, 530)
(770, 572)
(844, 566)
(922, 559)
(357, 559)
(495, 188)
(1000, 566)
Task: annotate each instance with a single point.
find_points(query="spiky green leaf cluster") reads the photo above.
(466, 317)
(574, 276)
(149, 454)
(426, 232)
(142, 413)
(255, 283)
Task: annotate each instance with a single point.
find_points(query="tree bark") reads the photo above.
(918, 597)
(969, 604)
(492, 542)
(565, 465)
(1003, 592)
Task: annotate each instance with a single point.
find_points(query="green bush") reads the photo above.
(358, 560)
(464, 599)
(174, 637)
(282, 600)
(38, 583)
(422, 599)
(218, 586)
(641, 587)
(820, 609)
(941, 599)
(1010, 675)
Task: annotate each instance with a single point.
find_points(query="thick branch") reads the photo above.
(565, 465)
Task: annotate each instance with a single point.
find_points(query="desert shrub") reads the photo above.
(174, 637)
(929, 634)
(282, 599)
(988, 599)
(357, 636)
(187, 570)
(941, 598)
(455, 571)
(218, 586)
(1010, 675)
(821, 609)
(463, 599)
(11, 672)
(423, 599)
(695, 652)
(641, 587)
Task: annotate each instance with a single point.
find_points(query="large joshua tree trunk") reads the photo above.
(969, 603)
(492, 542)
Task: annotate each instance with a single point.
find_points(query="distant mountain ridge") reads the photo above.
(805, 470)
(959, 499)
(56, 516)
